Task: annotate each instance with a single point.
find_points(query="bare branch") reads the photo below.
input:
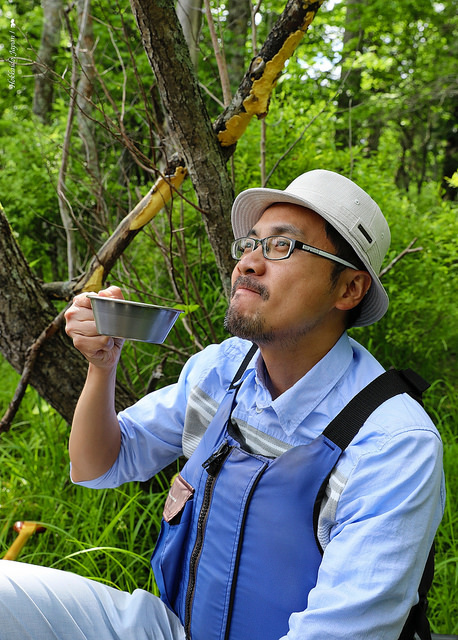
(401, 255)
(212, 95)
(219, 55)
(307, 126)
(254, 93)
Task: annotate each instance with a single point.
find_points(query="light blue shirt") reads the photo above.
(385, 498)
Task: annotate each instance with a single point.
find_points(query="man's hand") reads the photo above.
(101, 351)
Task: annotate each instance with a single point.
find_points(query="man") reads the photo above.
(241, 554)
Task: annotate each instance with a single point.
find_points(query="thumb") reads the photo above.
(111, 292)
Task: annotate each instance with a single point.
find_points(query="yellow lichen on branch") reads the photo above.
(155, 199)
(257, 102)
(95, 282)
(235, 128)
(143, 212)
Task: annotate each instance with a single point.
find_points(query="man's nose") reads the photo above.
(252, 262)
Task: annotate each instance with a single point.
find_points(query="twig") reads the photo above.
(32, 353)
(401, 255)
(254, 11)
(262, 152)
(212, 95)
(219, 56)
(65, 209)
(307, 126)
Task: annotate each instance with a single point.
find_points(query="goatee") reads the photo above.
(249, 328)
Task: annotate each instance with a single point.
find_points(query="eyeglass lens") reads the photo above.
(273, 247)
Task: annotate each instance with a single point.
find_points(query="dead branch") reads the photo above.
(253, 95)
(219, 56)
(401, 255)
(65, 208)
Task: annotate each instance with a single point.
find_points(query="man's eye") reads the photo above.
(280, 244)
(247, 245)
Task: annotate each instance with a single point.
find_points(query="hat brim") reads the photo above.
(249, 206)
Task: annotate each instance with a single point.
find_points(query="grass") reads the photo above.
(441, 403)
(109, 535)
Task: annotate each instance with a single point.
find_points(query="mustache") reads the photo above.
(249, 283)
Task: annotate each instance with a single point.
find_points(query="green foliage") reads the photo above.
(405, 97)
(29, 195)
(107, 535)
(440, 402)
(31, 153)
(420, 326)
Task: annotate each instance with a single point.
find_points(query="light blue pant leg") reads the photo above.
(38, 603)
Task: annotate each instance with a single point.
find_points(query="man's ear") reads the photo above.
(353, 287)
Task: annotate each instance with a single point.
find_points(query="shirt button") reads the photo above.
(259, 409)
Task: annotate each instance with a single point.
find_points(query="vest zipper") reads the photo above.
(212, 466)
(239, 552)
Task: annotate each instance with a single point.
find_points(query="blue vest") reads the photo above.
(237, 552)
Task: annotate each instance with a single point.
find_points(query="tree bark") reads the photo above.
(43, 67)
(25, 312)
(189, 124)
(189, 13)
(84, 91)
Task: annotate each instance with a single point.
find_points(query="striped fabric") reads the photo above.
(199, 413)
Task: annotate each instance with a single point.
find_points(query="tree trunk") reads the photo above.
(189, 13)
(237, 25)
(190, 127)
(44, 66)
(349, 96)
(84, 113)
(25, 312)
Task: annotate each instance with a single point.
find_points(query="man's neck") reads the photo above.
(285, 364)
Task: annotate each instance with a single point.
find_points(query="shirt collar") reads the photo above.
(298, 402)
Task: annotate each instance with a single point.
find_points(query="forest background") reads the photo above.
(88, 131)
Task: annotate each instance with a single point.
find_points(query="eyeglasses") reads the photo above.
(279, 248)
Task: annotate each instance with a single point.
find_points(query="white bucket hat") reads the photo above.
(349, 209)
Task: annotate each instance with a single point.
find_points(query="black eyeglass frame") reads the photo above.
(294, 244)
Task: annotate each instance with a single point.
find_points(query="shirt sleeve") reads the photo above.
(385, 524)
(151, 429)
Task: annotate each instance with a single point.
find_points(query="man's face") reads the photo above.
(283, 301)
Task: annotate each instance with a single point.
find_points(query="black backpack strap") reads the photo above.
(344, 428)
(348, 422)
(241, 370)
(417, 621)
